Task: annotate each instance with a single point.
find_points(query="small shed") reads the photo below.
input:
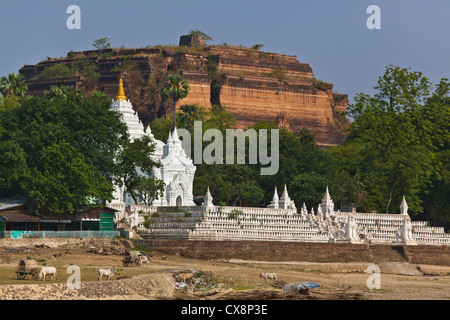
(18, 218)
(95, 218)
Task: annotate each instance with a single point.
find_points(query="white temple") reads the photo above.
(280, 221)
(221, 223)
(176, 169)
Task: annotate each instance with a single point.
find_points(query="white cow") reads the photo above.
(47, 271)
(268, 276)
(106, 272)
(144, 259)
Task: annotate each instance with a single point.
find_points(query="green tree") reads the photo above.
(391, 140)
(148, 189)
(62, 180)
(13, 85)
(218, 117)
(56, 70)
(308, 188)
(161, 127)
(102, 43)
(189, 114)
(13, 165)
(250, 194)
(135, 166)
(63, 123)
(234, 184)
(175, 88)
(258, 46)
(200, 34)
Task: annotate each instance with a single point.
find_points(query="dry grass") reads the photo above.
(337, 280)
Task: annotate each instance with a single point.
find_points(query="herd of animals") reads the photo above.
(108, 273)
(45, 272)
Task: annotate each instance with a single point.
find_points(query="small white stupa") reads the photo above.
(285, 201)
(404, 207)
(208, 199)
(327, 205)
(275, 200)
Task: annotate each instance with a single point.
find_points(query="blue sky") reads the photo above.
(331, 36)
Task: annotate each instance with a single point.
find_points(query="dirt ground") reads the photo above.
(238, 279)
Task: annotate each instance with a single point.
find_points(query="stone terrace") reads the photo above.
(215, 223)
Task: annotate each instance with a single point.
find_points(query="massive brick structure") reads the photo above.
(254, 85)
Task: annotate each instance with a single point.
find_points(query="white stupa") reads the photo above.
(284, 202)
(176, 169)
(327, 205)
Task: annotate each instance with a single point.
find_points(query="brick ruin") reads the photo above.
(252, 84)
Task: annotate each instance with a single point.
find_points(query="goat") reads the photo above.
(47, 271)
(106, 272)
(268, 276)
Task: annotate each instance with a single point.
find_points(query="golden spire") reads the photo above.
(121, 92)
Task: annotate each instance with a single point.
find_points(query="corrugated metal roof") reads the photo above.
(18, 213)
(6, 203)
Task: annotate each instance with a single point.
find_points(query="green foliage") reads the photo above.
(13, 85)
(9, 101)
(189, 114)
(321, 85)
(134, 159)
(102, 43)
(62, 180)
(146, 189)
(13, 165)
(235, 213)
(161, 127)
(56, 70)
(63, 147)
(175, 88)
(200, 34)
(308, 188)
(394, 138)
(258, 46)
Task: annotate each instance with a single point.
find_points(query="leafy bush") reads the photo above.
(56, 70)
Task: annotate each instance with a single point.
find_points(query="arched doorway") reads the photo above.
(179, 201)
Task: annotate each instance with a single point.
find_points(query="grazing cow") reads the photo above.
(47, 271)
(108, 273)
(268, 276)
(144, 260)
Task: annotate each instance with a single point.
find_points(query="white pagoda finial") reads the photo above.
(275, 201)
(285, 201)
(175, 134)
(327, 205)
(207, 202)
(404, 206)
(285, 193)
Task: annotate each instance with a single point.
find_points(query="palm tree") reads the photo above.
(13, 85)
(191, 112)
(176, 88)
